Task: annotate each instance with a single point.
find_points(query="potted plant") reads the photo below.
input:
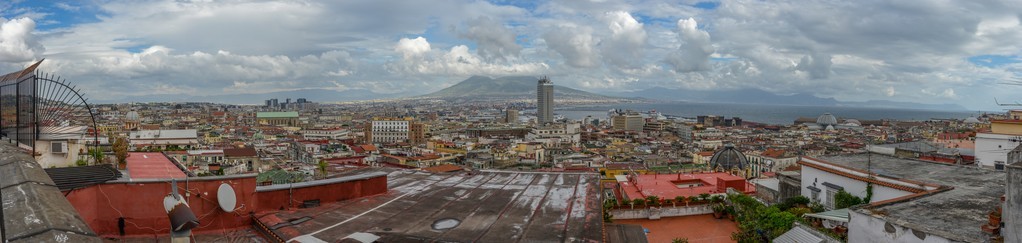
(718, 210)
(717, 199)
(730, 211)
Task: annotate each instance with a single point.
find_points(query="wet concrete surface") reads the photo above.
(490, 207)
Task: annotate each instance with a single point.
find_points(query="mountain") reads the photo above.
(314, 95)
(507, 87)
(750, 96)
(757, 96)
(899, 104)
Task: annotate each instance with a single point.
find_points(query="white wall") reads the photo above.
(881, 150)
(992, 147)
(48, 160)
(865, 228)
(665, 211)
(855, 187)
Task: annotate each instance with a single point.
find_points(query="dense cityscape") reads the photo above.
(510, 121)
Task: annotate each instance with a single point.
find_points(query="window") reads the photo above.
(830, 198)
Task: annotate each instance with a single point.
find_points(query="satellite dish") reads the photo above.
(225, 196)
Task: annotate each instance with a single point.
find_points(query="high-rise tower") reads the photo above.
(544, 101)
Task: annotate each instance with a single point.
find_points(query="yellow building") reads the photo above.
(612, 169)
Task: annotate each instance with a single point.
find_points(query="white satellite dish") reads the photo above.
(225, 196)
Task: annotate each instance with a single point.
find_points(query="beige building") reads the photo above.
(628, 122)
(289, 118)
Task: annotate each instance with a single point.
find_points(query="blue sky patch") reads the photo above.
(707, 5)
(993, 60)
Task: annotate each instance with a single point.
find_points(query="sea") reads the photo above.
(760, 113)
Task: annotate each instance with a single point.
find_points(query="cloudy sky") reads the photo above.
(921, 51)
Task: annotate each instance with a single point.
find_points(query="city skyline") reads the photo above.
(926, 53)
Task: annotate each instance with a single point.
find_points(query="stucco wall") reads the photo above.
(867, 229)
(666, 211)
(814, 177)
(1012, 211)
(993, 147)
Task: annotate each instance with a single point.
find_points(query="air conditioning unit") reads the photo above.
(58, 147)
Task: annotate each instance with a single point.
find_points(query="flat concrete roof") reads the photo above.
(462, 207)
(956, 214)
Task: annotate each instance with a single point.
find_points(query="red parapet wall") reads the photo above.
(270, 200)
(141, 203)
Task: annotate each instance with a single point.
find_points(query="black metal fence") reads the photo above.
(35, 105)
(17, 109)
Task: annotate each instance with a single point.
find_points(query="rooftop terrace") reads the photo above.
(956, 214)
(481, 207)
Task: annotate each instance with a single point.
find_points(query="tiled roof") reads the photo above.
(240, 152)
(858, 177)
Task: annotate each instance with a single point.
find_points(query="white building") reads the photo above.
(328, 133)
(390, 131)
(992, 147)
(558, 133)
(185, 138)
(912, 200)
(822, 179)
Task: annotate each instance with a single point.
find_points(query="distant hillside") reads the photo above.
(750, 96)
(314, 95)
(756, 96)
(507, 87)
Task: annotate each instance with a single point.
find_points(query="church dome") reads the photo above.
(826, 119)
(971, 120)
(853, 122)
(132, 115)
(728, 158)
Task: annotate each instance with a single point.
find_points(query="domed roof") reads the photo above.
(829, 128)
(853, 121)
(132, 115)
(971, 120)
(826, 119)
(728, 158)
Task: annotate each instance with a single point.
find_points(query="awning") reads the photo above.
(798, 235)
(840, 215)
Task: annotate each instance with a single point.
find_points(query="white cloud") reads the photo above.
(493, 40)
(411, 48)
(17, 42)
(862, 51)
(695, 50)
(576, 44)
(624, 46)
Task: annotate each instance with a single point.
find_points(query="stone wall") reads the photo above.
(34, 210)
(1012, 211)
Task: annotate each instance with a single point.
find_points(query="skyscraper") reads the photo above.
(544, 101)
